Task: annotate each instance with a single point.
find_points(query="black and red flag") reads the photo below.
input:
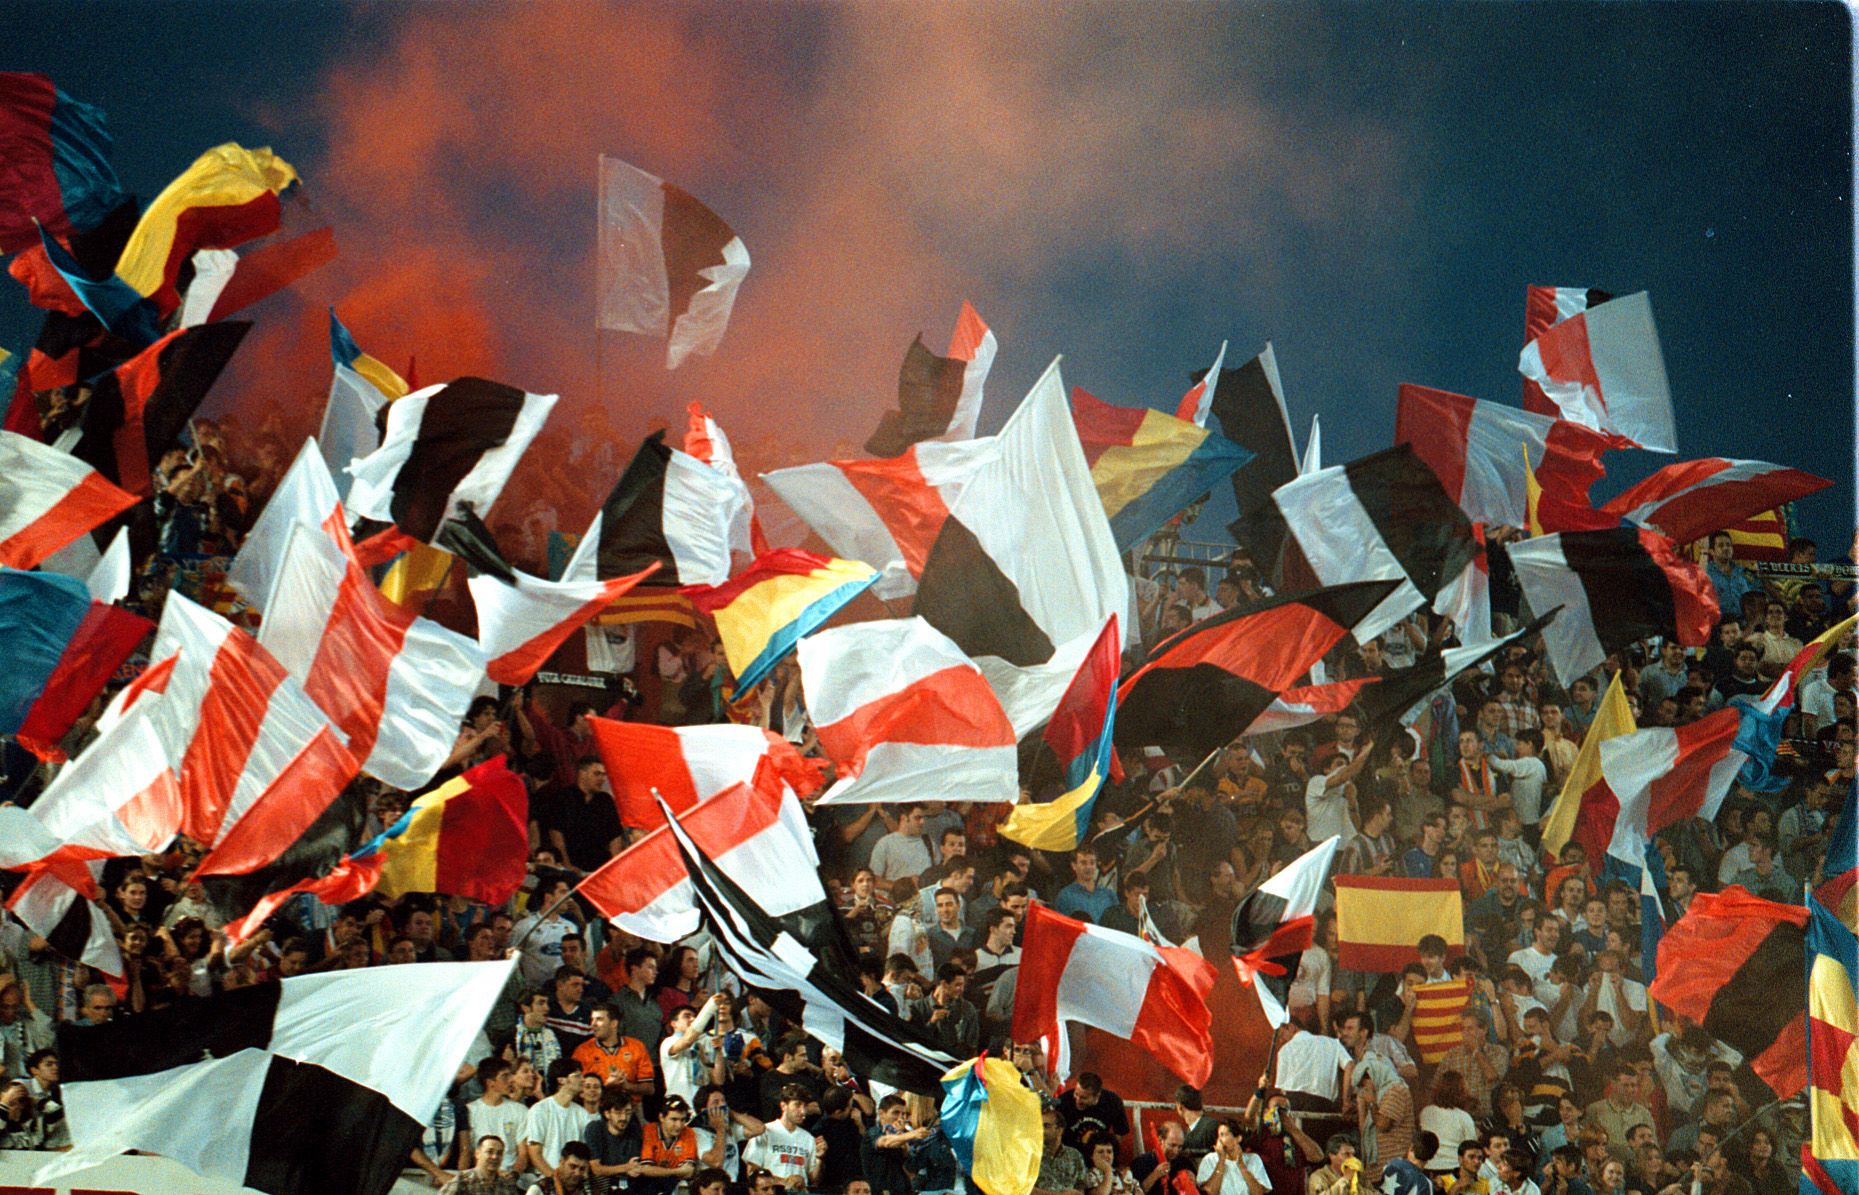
(1206, 685)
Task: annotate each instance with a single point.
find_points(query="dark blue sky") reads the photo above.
(1370, 186)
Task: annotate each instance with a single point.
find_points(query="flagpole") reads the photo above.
(543, 916)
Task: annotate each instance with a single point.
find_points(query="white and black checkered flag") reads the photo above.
(810, 982)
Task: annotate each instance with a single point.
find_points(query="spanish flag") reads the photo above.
(1587, 808)
(227, 197)
(768, 607)
(1148, 465)
(1830, 1156)
(1080, 735)
(1380, 921)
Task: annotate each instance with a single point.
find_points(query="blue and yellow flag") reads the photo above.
(783, 596)
(1080, 737)
(1148, 465)
(992, 1121)
(1830, 1158)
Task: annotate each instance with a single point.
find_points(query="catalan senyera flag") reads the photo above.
(1437, 1008)
(1761, 538)
(1080, 736)
(1379, 920)
(1830, 1157)
(1587, 807)
(649, 604)
(1148, 465)
(782, 596)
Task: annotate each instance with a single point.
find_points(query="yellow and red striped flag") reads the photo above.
(1437, 1008)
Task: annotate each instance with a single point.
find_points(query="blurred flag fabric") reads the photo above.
(1276, 923)
(1830, 1155)
(1080, 736)
(1147, 465)
(765, 610)
(359, 387)
(58, 162)
(1691, 499)
(1587, 808)
(938, 398)
(1603, 369)
(48, 498)
(993, 1123)
(1543, 308)
(62, 647)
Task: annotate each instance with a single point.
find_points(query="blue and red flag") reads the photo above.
(58, 170)
(1080, 735)
(61, 648)
(1839, 887)
(1148, 465)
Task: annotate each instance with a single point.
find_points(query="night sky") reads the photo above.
(1370, 186)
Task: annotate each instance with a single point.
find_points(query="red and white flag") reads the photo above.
(938, 398)
(1543, 308)
(307, 494)
(756, 833)
(257, 760)
(396, 686)
(1603, 369)
(1476, 449)
(48, 498)
(1689, 500)
(689, 764)
(902, 711)
(1155, 997)
(521, 625)
(1198, 402)
(1666, 775)
(1276, 923)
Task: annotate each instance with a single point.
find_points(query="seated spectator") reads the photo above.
(1341, 1168)
(497, 1113)
(1088, 1110)
(785, 1149)
(1061, 1168)
(667, 1151)
(487, 1175)
(948, 933)
(536, 1043)
(1229, 1167)
(884, 1154)
(619, 1062)
(1448, 1116)
(613, 1141)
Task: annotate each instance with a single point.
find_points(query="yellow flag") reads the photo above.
(1532, 497)
(1612, 718)
(1008, 1138)
(421, 570)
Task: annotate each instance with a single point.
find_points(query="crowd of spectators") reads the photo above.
(611, 1063)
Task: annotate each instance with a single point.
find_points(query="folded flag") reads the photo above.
(1732, 964)
(992, 1121)
(1249, 402)
(1437, 1008)
(1546, 511)
(938, 398)
(901, 711)
(1760, 734)
(669, 266)
(221, 1084)
(1839, 885)
(257, 760)
(58, 162)
(396, 686)
(47, 499)
(1198, 402)
(1603, 369)
(1080, 735)
(1472, 447)
(1614, 587)
(1154, 997)
(1202, 687)
(1379, 919)
(1395, 698)
(1148, 466)
(1544, 307)
(307, 494)
(62, 647)
(755, 832)
(802, 966)
(1587, 808)
(1275, 923)
(1665, 775)
(139, 410)
(765, 610)
(242, 281)
(520, 625)
(70, 919)
(1830, 1155)
(1689, 500)
(1762, 538)
(1382, 517)
(685, 765)
(359, 388)
(667, 508)
(227, 197)
(705, 440)
(448, 448)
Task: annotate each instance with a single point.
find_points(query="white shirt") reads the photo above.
(1312, 1064)
(1451, 1126)
(552, 1126)
(898, 855)
(1313, 977)
(732, 1148)
(1614, 991)
(542, 952)
(686, 1072)
(1326, 810)
(1528, 774)
(1534, 962)
(508, 1120)
(781, 1151)
(1232, 1183)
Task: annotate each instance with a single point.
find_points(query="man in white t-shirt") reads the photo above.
(542, 936)
(905, 851)
(1613, 993)
(686, 1057)
(1229, 1169)
(1540, 954)
(1328, 793)
(495, 1113)
(556, 1121)
(786, 1150)
(1310, 1070)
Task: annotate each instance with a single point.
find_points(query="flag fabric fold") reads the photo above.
(1080, 735)
(63, 646)
(359, 388)
(307, 494)
(938, 398)
(668, 508)
(520, 625)
(763, 612)
(58, 162)
(1543, 308)
(48, 498)
(1665, 775)
(1472, 447)
(1276, 923)
(1249, 402)
(1603, 369)
(1689, 500)
(686, 765)
(992, 1120)
(1587, 808)
(1831, 1152)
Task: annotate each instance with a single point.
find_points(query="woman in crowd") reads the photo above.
(679, 980)
(1449, 1118)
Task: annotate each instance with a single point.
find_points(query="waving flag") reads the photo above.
(1154, 997)
(520, 625)
(1381, 919)
(1276, 923)
(448, 448)
(668, 508)
(1603, 369)
(1393, 698)
(243, 280)
(359, 389)
(1146, 465)
(938, 398)
(47, 499)
(1760, 735)
(1614, 587)
(1544, 307)
(1204, 686)
(1839, 885)
(227, 197)
(669, 266)
(58, 162)
(1249, 402)
(307, 494)
(764, 611)
(1830, 1156)
(901, 710)
(992, 1120)
(1665, 775)
(1198, 402)
(62, 647)
(685, 765)
(1691, 499)
(1472, 447)
(1587, 808)
(1080, 735)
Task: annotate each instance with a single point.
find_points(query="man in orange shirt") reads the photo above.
(618, 1061)
(667, 1150)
